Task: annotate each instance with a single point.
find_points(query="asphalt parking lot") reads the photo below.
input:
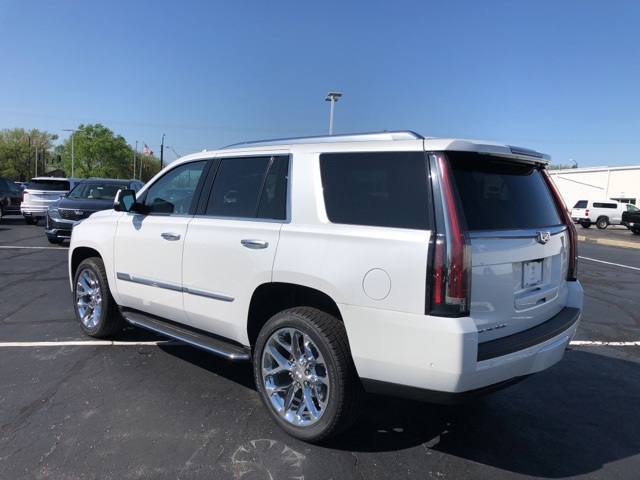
(143, 408)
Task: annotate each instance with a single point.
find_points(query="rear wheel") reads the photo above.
(586, 224)
(95, 308)
(602, 223)
(30, 220)
(305, 374)
(636, 230)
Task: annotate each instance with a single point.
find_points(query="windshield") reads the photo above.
(96, 190)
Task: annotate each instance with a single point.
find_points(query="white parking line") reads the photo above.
(609, 263)
(5, 247)
(96, 343)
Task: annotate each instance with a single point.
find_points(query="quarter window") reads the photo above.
(385, 189)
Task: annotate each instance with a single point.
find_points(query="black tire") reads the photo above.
(95, 308)
(30, 220)
(585, 224)
(323, 369)
(602, 223)
(55, 240)
(1, 212)
(636, 230)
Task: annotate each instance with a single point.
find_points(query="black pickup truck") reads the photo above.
(631, 219)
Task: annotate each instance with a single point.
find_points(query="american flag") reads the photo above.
(146, 150)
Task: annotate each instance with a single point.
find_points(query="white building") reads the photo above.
(598, 183)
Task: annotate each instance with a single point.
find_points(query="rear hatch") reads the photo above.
(41, 193)
(520, 242)
(579, 210)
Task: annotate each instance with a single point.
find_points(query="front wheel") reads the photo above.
(95, 308)
(305, 374)
(602, 223)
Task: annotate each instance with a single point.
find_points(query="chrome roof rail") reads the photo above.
(351, 137)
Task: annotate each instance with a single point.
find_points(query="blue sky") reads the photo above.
(559, 76)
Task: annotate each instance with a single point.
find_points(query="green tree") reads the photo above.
(18, 148)
(99, 152)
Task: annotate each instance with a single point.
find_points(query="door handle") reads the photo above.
(172, 237)
(255, 244)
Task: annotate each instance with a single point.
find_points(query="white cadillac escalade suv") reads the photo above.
(434, 269)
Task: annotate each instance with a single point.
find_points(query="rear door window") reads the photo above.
(497, 194)
(250, 187)
(581, 204)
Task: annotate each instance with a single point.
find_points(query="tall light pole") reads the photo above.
(73, 134)
(171, 148)
(332, 97)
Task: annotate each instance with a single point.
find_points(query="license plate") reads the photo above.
(531, 273)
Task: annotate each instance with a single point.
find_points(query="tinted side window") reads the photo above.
(273, 201)
(237, 187)
(386, 189)
(604, 205)
(173, 192)
(500, 195)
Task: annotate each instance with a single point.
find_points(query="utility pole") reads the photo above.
(162, 151)
(134, 160)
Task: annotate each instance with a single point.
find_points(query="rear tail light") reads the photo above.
(572, 275)
(586, 213)
(451, 280)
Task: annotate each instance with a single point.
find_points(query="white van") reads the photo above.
(601, 212)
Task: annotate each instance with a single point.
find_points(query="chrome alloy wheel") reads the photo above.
(88, 298)
(295, 377)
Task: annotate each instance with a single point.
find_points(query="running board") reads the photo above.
(210, 344)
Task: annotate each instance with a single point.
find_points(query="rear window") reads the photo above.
(384, 189)
(49, 184)
(581, 204)
(500, 195)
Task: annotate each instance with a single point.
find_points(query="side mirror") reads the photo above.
(124, 201)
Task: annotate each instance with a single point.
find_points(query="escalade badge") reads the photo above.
(544, 237)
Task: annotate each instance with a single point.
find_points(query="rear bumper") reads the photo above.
(440, 360)
(33, 211)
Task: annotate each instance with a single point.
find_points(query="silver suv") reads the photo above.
(386, 263)
(42, 192)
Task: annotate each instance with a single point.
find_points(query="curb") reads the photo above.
(609, 242)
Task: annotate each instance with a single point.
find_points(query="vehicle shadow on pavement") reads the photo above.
(570, 420)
